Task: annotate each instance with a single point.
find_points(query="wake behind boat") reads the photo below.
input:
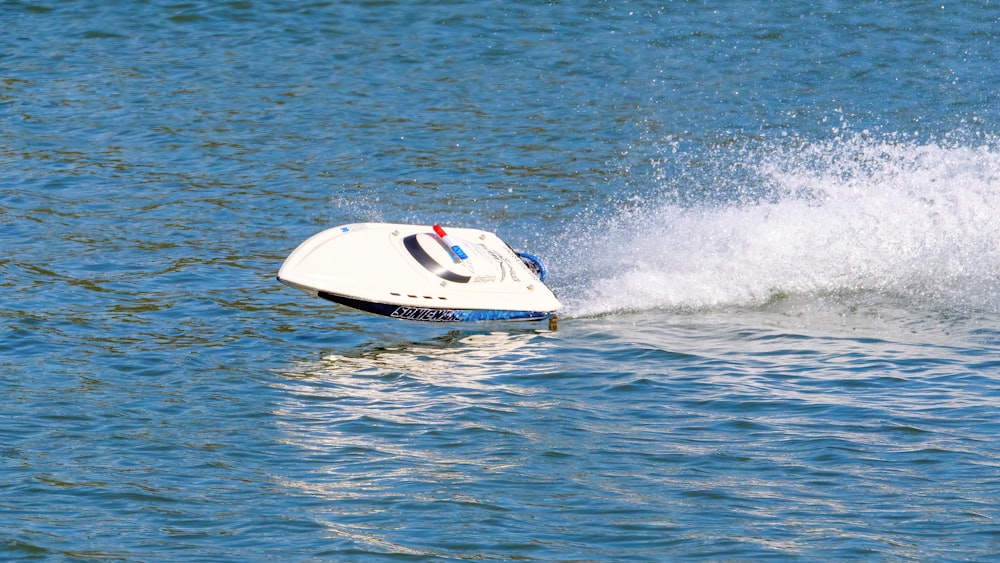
(421, 273)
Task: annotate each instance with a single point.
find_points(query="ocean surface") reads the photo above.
(774, 227)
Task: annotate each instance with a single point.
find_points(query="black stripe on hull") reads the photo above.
(433, 266)
(433, 315)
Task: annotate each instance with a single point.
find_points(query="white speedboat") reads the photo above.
(421, 273)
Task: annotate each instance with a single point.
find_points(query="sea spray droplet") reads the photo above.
(890, 220)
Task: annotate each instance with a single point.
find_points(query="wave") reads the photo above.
(912, 223)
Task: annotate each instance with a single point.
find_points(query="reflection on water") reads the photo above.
(400, 427)
(371, 398)
(459, 357)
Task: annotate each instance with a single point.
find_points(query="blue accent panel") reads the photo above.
(499, 315)
(538, 268)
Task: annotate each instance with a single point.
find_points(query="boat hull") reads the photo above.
(411, 272)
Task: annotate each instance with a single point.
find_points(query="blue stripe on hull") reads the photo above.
(434, 315)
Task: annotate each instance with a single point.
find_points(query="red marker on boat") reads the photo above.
(450, 243)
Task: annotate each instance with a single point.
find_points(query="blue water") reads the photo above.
(773, 226)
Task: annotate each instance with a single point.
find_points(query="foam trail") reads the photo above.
(916, 225)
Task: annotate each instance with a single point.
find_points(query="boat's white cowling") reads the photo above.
(411, 266)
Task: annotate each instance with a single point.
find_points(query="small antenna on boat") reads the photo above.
(450, 243)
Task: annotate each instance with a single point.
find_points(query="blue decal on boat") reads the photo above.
(428, 314)
(534, 264)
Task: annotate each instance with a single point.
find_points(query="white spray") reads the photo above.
(912, 223)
